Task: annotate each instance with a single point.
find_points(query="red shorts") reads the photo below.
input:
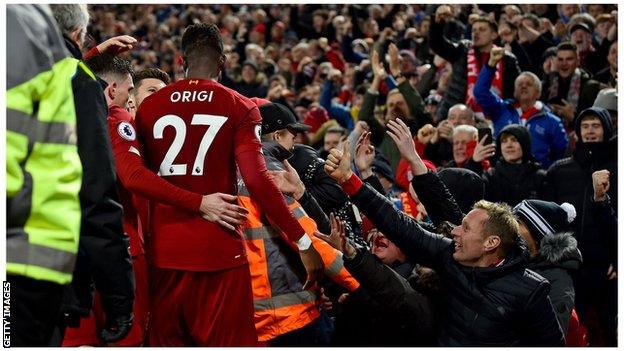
(201, 308)
(89, 330)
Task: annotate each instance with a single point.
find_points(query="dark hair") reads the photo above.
(321, 12)
(567, 46)
(361, 89)
(533, 18)
(490, 22)
(202, 41)
(107, 65)
(154, 73)
(510, 24)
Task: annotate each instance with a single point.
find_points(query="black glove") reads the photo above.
(117, 330)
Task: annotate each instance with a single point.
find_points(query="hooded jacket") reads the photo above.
(570, 180)
(548, 137)
(512, 183)
(557, 260)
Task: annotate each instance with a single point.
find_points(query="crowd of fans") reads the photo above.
(436, 108)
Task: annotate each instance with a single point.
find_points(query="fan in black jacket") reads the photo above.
(570, 180)
(493, 300)
(515, 177)
(391, 307)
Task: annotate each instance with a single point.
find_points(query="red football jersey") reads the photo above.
(191, 132)
(123, 140)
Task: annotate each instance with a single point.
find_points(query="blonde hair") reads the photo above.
(500, 222)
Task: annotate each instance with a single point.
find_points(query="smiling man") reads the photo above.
(492, 298)
(570, 88)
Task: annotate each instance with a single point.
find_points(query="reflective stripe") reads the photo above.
(334, 268)
(20, 251)
(292, 299)
(289, 199)
(40, 131)
(299, 212)
(264, 232)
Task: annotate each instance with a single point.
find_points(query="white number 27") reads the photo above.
(167, 168)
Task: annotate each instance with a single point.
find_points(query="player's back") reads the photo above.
(190, 132)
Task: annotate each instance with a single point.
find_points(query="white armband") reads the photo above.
(303, 243)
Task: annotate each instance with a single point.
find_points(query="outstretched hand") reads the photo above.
(402, 137)
(337, 238)
(117, 45)
(364, 154)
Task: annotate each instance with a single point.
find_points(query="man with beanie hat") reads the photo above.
(553, 250)
(570, 180)
(516, 176)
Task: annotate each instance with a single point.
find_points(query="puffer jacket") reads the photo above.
(457, 55)
(506, 305)
(557, 260)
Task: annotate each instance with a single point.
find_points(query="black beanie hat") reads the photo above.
(544, 218)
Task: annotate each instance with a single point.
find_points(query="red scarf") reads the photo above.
(526, 115)
(474, 67)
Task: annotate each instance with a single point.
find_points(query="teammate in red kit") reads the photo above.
(194, 133)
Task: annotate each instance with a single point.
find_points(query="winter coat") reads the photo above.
(548, 137)
(512, 183)
(587, 95)
(556, 261)
(385, 310)
(506, 305)
(570, 180)
(457, 55)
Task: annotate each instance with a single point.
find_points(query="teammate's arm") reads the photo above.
(138, 179)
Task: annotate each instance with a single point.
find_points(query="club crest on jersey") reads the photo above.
(126, 131)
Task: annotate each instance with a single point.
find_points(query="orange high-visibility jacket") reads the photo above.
(277, 274)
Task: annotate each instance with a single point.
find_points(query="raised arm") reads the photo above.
(403, 230)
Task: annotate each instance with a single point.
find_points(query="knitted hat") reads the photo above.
(544, 218)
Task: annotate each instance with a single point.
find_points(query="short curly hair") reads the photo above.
(201, 42)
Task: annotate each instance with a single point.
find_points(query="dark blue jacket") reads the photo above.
(548, 137)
